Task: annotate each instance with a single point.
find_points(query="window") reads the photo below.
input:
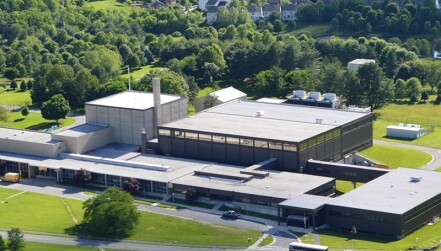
(275, 145)
(147, 185)
(218, 139)
(68, 175)
(179, 134)
(246, 142)
(337, 132)
(191, 135)
(164, 132)
(232, 141)
(113, 181)
(312, 142)
(159, 187)
(320, 139)
(260, 144)
(328, 136)
(98, 179)
(290, 147)
(303, 146)
(204, 137)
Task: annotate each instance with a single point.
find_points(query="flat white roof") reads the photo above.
(404, 128)
(293, 123)
(26, 136)
(394, 192)
(81, 130)
(362, 61)
(228, 94)
(132, 100)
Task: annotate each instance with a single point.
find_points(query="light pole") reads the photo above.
(416, 243)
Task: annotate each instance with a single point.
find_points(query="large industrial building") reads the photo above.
(267, 157)
(248, 132)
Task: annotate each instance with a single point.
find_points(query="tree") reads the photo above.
(376, 89)
(2, 244)
(55, 108)
(191, 194)
(23, 86)
(4, 114)
(171, 82)
(25, 111)
(110, 214)
(11, 73)
(425, 96)
(210, 100)
(16, 239)
(132, 186)
(13, 85)
(82, 177)
(414, 87)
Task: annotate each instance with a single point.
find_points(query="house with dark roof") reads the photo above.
(255, 12)
(211, 14)
(268, 9)
(289, 11)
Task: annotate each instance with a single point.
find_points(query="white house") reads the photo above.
(354, 64)
(221, 96)
(268, 9)
(289, 11)
(211, 14)
(255, 12)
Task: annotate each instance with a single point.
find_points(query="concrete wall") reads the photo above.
(127, 124)
(87, 141)
(49, 150)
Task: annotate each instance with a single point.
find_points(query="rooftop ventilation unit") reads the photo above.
(260, 113)
(415, 178)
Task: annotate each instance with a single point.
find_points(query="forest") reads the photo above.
(70, 48)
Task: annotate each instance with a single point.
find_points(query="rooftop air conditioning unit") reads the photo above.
(260, 113)
(415, 178)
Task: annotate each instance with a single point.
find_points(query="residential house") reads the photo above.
(268, 9)
(255, 12)
(211, 14)
(156, 4)
(219, 97)
(289, 11)
(203, 4)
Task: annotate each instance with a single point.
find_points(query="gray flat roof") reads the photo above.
(279, 122)
(306, 201)
(393, 192)
(283, 185)
(25, 135)
(81, 130)
(132, 100)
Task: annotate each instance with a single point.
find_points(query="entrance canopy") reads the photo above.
(306, 202)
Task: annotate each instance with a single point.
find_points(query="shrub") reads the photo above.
(25, 111)
(13, 85)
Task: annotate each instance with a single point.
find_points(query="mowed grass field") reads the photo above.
(423, 114)
(33, 121)
(15, 97)
(397, 156)
(45, 213)
(108, 5)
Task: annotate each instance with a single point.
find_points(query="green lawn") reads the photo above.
(38, 212)
(15, 97)
(397, 156)
(423, 114)
(316, 30)
(439, 169)
(268, 240)
(32, 246)
(205, 91)
(140, 72)
(45, 213)
(108, 5)
(343, 186)
(163, 228)
(34, 121)
(427, 237)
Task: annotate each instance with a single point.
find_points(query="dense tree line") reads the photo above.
(74, 50)
(401, 17)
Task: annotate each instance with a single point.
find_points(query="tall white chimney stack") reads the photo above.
(157, 111)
